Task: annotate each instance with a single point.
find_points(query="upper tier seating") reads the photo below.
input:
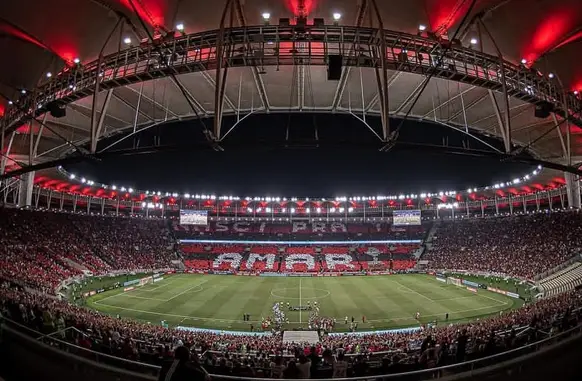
(519, 246)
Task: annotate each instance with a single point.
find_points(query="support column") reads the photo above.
(573, 190)
(25, 193)
(550, 202)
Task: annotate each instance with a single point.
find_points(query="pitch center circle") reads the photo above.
(320, 293)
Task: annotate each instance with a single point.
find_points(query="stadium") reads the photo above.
(287, 189)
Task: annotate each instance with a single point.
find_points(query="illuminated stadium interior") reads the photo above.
(290, 189)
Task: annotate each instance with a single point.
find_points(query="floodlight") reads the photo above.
(23, 91)
(72, 176)
(10, 103)
(180, 27)
(575, 93)
(127, 40)
(83, 180)
(114, 187)
(292, 210)
(307, 210)
(523, 61)
(266, 16)
(422, 27)
(130, 190)
(49, 74)
(551, 75)
(337, 16)
(76, 60)
(474, 41)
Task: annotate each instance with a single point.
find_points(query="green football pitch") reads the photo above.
(219, 301)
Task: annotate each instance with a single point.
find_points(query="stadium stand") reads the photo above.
(38, 250)
(519, 246)
(562, 281)
(300, 231)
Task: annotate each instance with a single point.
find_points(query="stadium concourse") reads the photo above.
(41, 249)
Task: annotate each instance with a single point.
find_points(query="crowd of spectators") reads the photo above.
(520, 246)
(41, 249)
(267, 355)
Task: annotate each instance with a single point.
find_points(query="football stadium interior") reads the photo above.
(283, 189)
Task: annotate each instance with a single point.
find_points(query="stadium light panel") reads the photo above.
(266, 16)
(130, 190)
(10, 103)
(474, 41)
(180, 27)
(422, 27)
(523, 61)
(337, 16)
(77, 60)
(307, 210)
(292, 210)
(551, 75)
(83, 180)
(49, 74)
(318, 210)
(23, 91)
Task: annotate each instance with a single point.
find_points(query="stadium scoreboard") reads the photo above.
(193, 217)
(406, 217)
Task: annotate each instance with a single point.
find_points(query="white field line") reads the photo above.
(299, 300)
(188, 289)
(415, 292)
(184, 317)
(163, 285)
(128, 295)
(499, 302)
(431, 315)
(140, 297)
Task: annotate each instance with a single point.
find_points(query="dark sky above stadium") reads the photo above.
(283, 155)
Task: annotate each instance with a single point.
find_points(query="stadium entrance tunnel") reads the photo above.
(20, 347)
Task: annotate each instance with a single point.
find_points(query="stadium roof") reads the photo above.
(41, 37)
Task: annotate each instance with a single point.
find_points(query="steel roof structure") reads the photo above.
(154, 61)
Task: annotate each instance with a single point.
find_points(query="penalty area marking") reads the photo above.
(128, 295)
(276, 295)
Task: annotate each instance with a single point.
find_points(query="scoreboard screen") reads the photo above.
(193, 217)
(406, 217)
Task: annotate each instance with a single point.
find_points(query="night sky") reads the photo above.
(282, 155)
